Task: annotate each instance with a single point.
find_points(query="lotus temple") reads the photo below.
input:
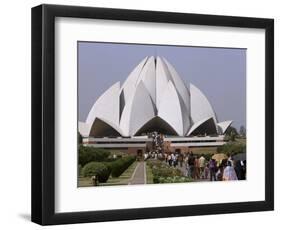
(153, 99)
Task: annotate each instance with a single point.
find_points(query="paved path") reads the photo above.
(139, 175)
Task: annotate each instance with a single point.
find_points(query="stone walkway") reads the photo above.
(139, 175)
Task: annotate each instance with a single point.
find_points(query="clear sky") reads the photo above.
(220, 73)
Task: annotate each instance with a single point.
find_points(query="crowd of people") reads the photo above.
(157, 141)
(198, 167)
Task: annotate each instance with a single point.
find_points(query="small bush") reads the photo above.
(98, 169)
(120, 165)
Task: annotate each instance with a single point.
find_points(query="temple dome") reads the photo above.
(153, 98)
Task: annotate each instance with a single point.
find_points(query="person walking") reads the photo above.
(202, 162)
(191, 165)
(229, 172)
(196, 168)
(230, 159)
(170, 159)
(186, 165)
(219, 173)
(180, 158)
(173, 157)
(213, 167)
(206, 173)
(239, 170)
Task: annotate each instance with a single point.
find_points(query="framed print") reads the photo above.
(143, 114)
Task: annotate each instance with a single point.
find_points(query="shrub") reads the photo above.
(89, 154)
(98, 169)
(162, 173)
(165, 172)
(120, 165)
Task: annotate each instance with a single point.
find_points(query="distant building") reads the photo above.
(153, 98)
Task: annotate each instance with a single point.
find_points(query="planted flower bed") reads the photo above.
(163, 173)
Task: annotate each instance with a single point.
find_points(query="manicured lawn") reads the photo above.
(121, 180)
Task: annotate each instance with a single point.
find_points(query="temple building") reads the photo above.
(153, 99)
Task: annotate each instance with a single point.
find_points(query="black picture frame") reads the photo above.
(43, 114)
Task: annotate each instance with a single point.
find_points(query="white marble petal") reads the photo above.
(147, 76)
(199, 123)
(180, 85)
(107, 106)
(162, 78)
(200, 107)
(84, 129)
(170, 108)
(129, 85)
(142, 109)
(224, 125)
(104, 126)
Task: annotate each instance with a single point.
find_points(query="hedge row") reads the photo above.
(104, 169)
(120, 165)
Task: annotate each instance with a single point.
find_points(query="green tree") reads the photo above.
(88, 154)
(232, 148)
(242, 131)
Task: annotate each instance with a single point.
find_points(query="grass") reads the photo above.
(123, 179)
(149, 175)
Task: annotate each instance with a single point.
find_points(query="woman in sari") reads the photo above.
(229, 172)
